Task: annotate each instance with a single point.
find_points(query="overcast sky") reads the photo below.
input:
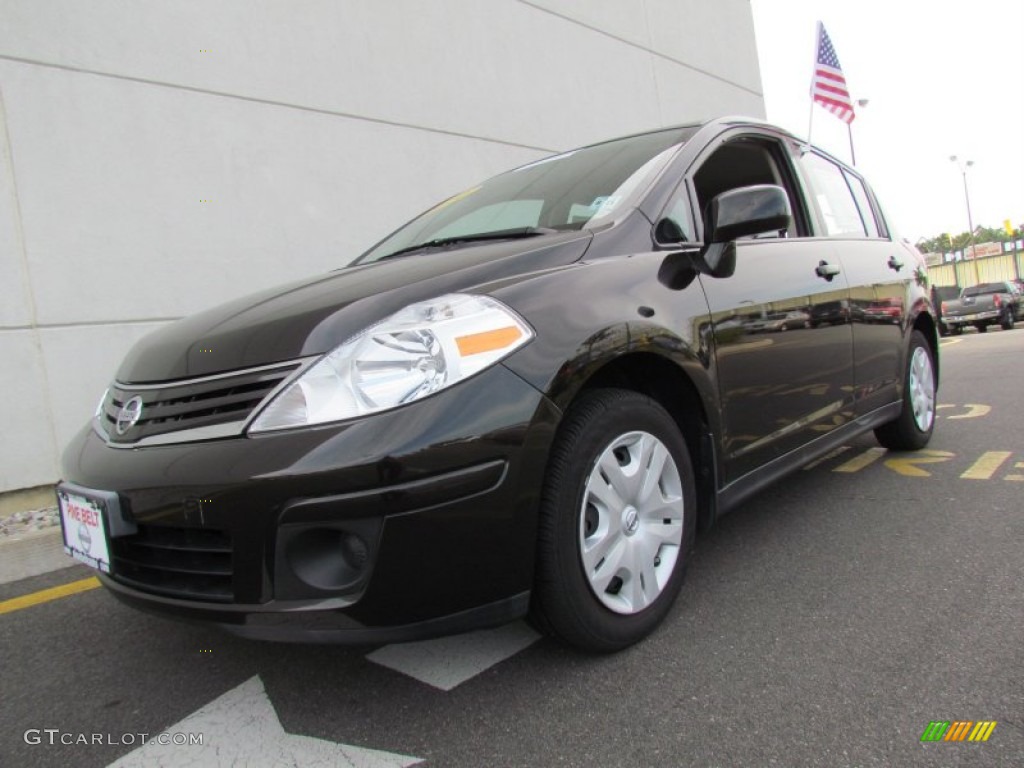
(942, 79)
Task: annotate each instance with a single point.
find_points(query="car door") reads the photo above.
(879, 271)
(782, 338)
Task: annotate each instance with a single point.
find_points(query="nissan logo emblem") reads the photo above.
(128, 415)
(85, 538)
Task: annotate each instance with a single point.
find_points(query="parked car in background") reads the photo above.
(886, 310)
(981, 306)
(941, 294)
(520, 403)
(779, 321)
(831, 313)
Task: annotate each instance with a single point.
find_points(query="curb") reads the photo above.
(27, 499)
(32, 554)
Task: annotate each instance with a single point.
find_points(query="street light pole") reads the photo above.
(963, 166)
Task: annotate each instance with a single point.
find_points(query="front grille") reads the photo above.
(187, 563)
(178, 406)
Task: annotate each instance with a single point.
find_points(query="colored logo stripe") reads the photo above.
(982, 730)
(958, 730)
(935, 731)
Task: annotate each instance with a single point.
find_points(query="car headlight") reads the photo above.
(99, 406)
(414, 353)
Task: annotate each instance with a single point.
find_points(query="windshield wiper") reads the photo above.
(499, 234)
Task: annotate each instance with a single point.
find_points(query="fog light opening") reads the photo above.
(355, 550)
(328, 559)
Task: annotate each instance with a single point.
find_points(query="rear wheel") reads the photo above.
(618, 516)
(912, 429)
(982, 327)
(1007, 321)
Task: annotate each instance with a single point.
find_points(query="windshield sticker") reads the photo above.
(605, 204)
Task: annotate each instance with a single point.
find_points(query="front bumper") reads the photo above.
(409, 523)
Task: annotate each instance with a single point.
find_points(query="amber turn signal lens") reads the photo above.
(488, 341)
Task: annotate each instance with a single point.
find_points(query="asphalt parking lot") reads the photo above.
(826, 622)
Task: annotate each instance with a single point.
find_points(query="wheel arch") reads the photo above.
(926, 325)
(669, 385)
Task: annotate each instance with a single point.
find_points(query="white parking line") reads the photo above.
(450, 661)
(242, 728)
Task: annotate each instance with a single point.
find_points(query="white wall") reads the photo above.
(160, 157)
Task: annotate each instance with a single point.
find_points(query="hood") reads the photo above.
(312, 316)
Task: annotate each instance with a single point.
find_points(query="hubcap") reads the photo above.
(631, 522)
(922, 389)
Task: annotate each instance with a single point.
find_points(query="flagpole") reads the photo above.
(853, 156)
(814, 64)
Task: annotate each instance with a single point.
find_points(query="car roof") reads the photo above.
(716, 125)
(727, 121)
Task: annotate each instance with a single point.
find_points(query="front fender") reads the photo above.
(594, 313)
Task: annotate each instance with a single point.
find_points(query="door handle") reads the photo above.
(895, 263)
(826, 270)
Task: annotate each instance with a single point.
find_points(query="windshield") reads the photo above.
(584, 187)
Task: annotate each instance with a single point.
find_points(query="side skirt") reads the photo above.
(752, 483)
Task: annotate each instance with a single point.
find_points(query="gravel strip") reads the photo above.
(32, 520)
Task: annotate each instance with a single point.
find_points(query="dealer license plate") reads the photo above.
(82, 519)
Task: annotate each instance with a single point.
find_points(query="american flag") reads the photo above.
(828, 86)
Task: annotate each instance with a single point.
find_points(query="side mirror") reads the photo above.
(748, 211)
(738, 213)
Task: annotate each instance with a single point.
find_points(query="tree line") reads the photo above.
(947, 243)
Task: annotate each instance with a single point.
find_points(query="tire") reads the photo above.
(956, 330)
(618, 516)
(913, 428)
(982, 327)
(1006, 323)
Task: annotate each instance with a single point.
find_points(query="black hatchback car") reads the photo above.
(523, 402)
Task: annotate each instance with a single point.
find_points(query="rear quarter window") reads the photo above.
(867, 214)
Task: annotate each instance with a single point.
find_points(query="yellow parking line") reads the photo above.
(46, 595)
(857, 463)
(986, 466)
(947, 342)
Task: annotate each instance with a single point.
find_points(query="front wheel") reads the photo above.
(617, 521)
(913, 428)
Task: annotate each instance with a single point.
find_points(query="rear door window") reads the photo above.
(835, 200)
